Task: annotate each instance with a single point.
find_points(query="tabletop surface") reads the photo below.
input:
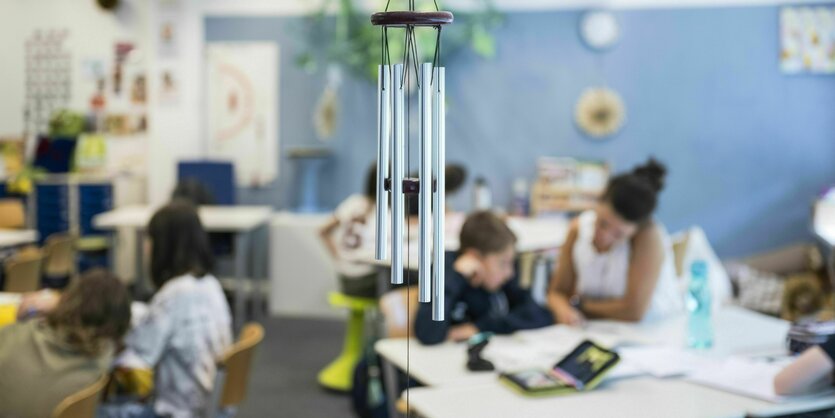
(442, 369)
(214, 218)
(15, 237)
(639, 397)
(737, 332)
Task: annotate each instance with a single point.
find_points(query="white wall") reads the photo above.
(92, 34)
(176, 131)
(298, 7)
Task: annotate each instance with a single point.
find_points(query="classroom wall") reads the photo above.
(748, 148)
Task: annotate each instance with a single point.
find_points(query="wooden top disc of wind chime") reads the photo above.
(411, 18)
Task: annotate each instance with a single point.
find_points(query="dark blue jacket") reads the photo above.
(505, 311)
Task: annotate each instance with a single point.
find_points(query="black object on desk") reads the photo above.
(475, 345)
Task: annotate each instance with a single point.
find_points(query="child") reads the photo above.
(188, 324)
(480, 295)
(350, 232)
(811, 371)
(45, 359)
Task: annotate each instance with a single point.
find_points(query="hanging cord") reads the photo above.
(436, 60)
(409, 35)
(415, 56)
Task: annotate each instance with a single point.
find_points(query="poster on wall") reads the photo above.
(242, 114)
(168, 33)
(807, 40)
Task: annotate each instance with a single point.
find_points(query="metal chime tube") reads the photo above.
(438, 203)
(397, 163)
(425, 193)
(383, 138)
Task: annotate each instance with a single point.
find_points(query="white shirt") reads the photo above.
(187, 328)
(604, 275)
(355, 235)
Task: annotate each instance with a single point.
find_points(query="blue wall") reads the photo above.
(748, 148)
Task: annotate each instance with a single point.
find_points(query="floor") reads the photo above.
(285, 369)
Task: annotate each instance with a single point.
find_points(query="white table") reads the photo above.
(242, 221)
(639, 397)
(737, 332)
(16, 237)
(442, 368)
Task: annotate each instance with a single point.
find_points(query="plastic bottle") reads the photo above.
(482, 196)
(699, 325)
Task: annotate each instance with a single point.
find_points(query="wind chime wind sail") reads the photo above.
(393, 141)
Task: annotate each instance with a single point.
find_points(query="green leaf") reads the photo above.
(483, 43)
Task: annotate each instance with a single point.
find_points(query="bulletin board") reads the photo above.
(807, 40)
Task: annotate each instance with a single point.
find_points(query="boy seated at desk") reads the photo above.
(480, 293)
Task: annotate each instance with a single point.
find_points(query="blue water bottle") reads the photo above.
(699, 327)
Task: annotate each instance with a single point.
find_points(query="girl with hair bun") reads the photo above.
(617, 260)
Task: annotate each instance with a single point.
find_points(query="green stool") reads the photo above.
(338, 375)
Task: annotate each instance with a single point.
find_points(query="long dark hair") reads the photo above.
(179, 244)
(634, 195)
(93, 313)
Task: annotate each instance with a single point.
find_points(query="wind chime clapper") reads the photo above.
(392, 142)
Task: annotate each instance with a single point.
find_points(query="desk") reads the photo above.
(640, 397)
(242, 221)
(737, 332)
(17, 237)
(441, 367)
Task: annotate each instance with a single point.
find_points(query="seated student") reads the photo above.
(47, 358)
(349, 232)
(617, 260)
(188, 324)
(479, 294)
(811, 371)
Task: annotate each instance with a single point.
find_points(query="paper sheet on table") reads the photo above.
(663, 362)
(745, 377)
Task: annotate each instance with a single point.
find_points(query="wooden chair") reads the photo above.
(233, 372)
(23, 272)
(83, 403)
(12, 214)
(59, 258)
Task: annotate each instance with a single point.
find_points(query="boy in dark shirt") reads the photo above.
(480, 293)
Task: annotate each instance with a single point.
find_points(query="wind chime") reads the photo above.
(393, 141)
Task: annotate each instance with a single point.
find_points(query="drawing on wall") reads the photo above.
(169, 91)
(807, 40)
(48, 77)
(168, 34)
(242, 116)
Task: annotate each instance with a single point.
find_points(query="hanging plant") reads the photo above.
(348, 40)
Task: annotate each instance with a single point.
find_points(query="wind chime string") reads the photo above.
(409, 38)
